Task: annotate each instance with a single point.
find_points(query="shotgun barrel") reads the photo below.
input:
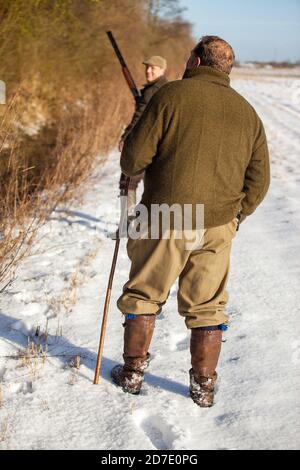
(126, 72)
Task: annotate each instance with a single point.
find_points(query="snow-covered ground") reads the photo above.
(255, 70)
(48, 404)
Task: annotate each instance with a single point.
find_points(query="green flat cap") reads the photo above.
(156, 60)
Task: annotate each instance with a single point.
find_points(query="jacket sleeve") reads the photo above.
(257, 176)
(140, 108)
(140, 147)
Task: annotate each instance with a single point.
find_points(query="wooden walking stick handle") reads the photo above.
(124, 192)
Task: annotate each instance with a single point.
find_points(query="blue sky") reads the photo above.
(257, 29)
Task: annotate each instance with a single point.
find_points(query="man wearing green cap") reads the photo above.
(155, 68)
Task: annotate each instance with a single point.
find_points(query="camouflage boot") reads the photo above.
(137, 337)
(205, 351)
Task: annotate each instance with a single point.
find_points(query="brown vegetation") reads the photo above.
(66, 98)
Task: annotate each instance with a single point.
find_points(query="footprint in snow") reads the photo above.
(234, 359)
(162, 434)
(226, 419)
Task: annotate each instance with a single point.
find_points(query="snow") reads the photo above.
(46, 402)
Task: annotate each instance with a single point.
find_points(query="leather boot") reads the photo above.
(205, 350)
(137, 337)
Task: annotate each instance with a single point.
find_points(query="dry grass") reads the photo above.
(33, 357)
(74, 365)
(44, 405)
(68, 298)
(67, 100)
(28, 194)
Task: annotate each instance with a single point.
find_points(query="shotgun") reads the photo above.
(126, 72)
(131, 84)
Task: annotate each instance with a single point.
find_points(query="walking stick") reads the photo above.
(124, 192)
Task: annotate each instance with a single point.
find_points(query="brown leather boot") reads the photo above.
(205, 350)
(137, 337)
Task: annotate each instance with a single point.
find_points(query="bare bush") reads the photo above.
(67, 100)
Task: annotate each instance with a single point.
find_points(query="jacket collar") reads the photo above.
(162, 79)
(208, 74)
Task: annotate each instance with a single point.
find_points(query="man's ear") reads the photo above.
(193, 62)
(197, 61)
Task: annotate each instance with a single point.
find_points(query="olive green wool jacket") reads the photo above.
(200, 142)
(146, 94)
